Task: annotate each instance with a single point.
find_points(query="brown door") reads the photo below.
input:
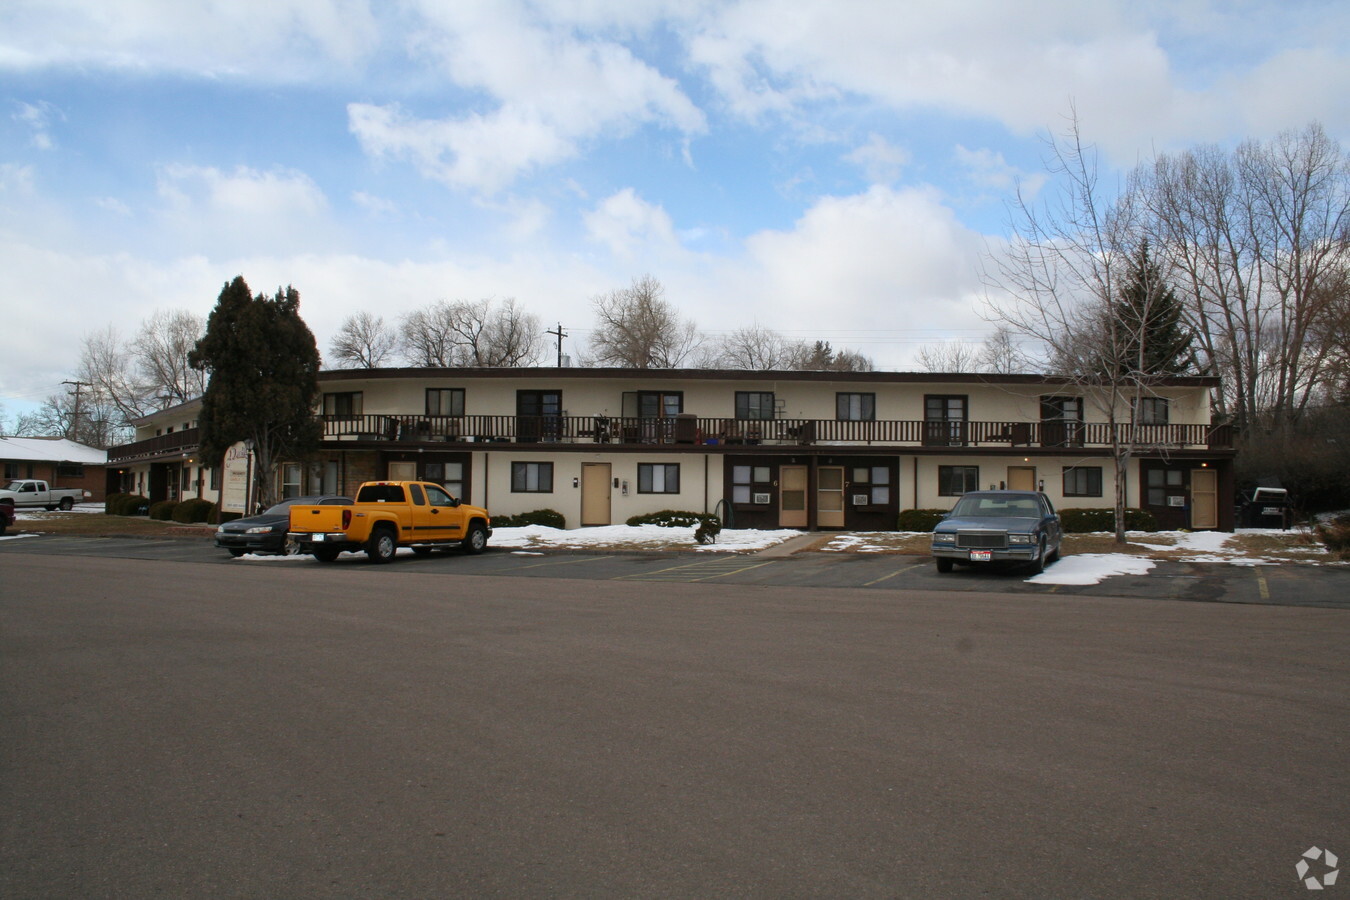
(830, 497)
(595, 493)
(792, 497)
(1204, 498)
(1021, 478)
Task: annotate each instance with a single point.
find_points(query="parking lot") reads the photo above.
(1280, 585)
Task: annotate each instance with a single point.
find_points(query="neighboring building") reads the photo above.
(59, 462)
(163, 463)
(815, 450)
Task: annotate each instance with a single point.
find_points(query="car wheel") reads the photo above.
(325, 554)
(943, 565)
(290, 548)
(235, 552)
(1038, 564)
(476, 540)
(67, 504)
(382, 546)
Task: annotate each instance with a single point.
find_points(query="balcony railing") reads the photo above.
(179, 442)
(800, 432)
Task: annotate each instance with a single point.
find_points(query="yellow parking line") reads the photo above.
(1263, 587)
(561, 562)
(892, 575)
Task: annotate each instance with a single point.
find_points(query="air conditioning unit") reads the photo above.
(762, 499)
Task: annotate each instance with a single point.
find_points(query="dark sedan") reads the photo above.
(266, 532)
(998, 526)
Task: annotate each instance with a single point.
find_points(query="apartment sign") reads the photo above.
(234, 484)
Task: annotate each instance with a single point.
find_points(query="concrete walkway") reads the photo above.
(794, 545)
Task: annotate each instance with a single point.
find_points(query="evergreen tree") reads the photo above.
(263, 367)
(1153, 339)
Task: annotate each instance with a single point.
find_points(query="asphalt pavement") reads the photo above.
(190, 729)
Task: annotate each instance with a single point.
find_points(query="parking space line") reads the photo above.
(1263, 587)
(562, 562)
(893, 574)
(688, 572)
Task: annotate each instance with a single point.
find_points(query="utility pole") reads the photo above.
(74, 430)
(560, 335)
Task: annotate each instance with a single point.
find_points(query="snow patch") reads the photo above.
(1092, 568)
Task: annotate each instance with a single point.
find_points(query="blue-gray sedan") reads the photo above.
(998, 526)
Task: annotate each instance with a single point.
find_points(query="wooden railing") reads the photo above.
(185, 441)
(805, 432)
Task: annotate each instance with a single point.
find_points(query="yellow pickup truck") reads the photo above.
(388, 515)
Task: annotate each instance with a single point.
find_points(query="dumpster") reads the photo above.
(1267, 507)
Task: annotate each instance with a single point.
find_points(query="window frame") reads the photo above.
(649, 470)
(353, 406)
(948, 473)
(456, 396)
(1087, 472)
(866, 402)
(743, 406)
(520, 477)
(1147, 411)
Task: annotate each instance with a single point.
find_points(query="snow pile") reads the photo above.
(634, 537)
(40, 513)
(1092, 568)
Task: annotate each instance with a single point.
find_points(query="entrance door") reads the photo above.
(830, 497)
(1021, 478)
(595, 493)
(537, 415)
(792, 497)
(403, 471)
(1204, 498)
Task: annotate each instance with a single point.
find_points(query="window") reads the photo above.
(1151, 411)
(69, 470)
(855, 407)
(438, 497)
(346, 404)
(1082, 481)
(445, 401)
(953, 481)
(215, 478)
(418, 498)
(449, 475)
(538, 415)
(754, 404)
(660, 404)
(658, 478)
(874, 481)
(11, 471)
(290, 480)
(187, 479)
(747, 481)
(1062, 421)
(944, 419)
(532, 478)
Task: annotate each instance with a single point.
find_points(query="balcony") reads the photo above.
(708, 432)
(177, 443)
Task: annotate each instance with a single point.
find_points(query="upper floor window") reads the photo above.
(855, 407)
(445, 401)
(342, 404)
(659, 404)
(1151, 411)
(754, 404)
(945, 419)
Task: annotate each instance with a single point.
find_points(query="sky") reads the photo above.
(831, 169)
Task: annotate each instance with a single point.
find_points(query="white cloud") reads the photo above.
(625, 223)
(987, 170)
(37, 118)
(244, 208)
(879, 159)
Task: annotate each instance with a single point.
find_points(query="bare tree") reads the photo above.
(363, 341)
(949, 356)
(429, 336)
(160, 351)
(819, 356)
(1059, 283)
(94, 420)
(107, 365)
(482, 333)
(638, 328)
(1258, 241)
(753, 347)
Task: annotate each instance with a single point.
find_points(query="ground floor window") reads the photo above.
(532, 477)
(751, 484)
(69, 470)
(450, 475)
(1082, 481)
(873, 482)
(290, 480)
(953, 481)
(658, 478)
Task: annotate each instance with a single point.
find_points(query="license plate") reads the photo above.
(981, 555)
(318, 538)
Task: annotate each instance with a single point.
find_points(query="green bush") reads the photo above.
(919, 519)
(194, 510)
(1083, 521)
(548, 517)
(163, 510)
(673, 518)
(128, 505)
(110, 500)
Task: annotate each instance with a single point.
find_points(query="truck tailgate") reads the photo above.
(314, 519)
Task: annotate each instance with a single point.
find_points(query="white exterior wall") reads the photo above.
(994, 471)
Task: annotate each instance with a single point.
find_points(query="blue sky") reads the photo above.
(826, 168)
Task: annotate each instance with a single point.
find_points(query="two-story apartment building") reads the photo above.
(812, 450)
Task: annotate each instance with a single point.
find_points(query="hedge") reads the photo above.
(674, 518)
(919, 519)
(1083, 521)
(127, 505)
(163, 510)
(194, 510)
(548, 517)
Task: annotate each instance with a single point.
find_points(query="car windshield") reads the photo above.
(996, 506)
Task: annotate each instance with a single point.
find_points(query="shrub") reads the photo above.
(548, 517)
(1336, 536)
(672, 518)
(919, 519)
(194, 510)
(1083, 521)
(163, 510)
(110, 500)
(129, 505)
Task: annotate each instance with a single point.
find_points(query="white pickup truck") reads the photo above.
(30, 493)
